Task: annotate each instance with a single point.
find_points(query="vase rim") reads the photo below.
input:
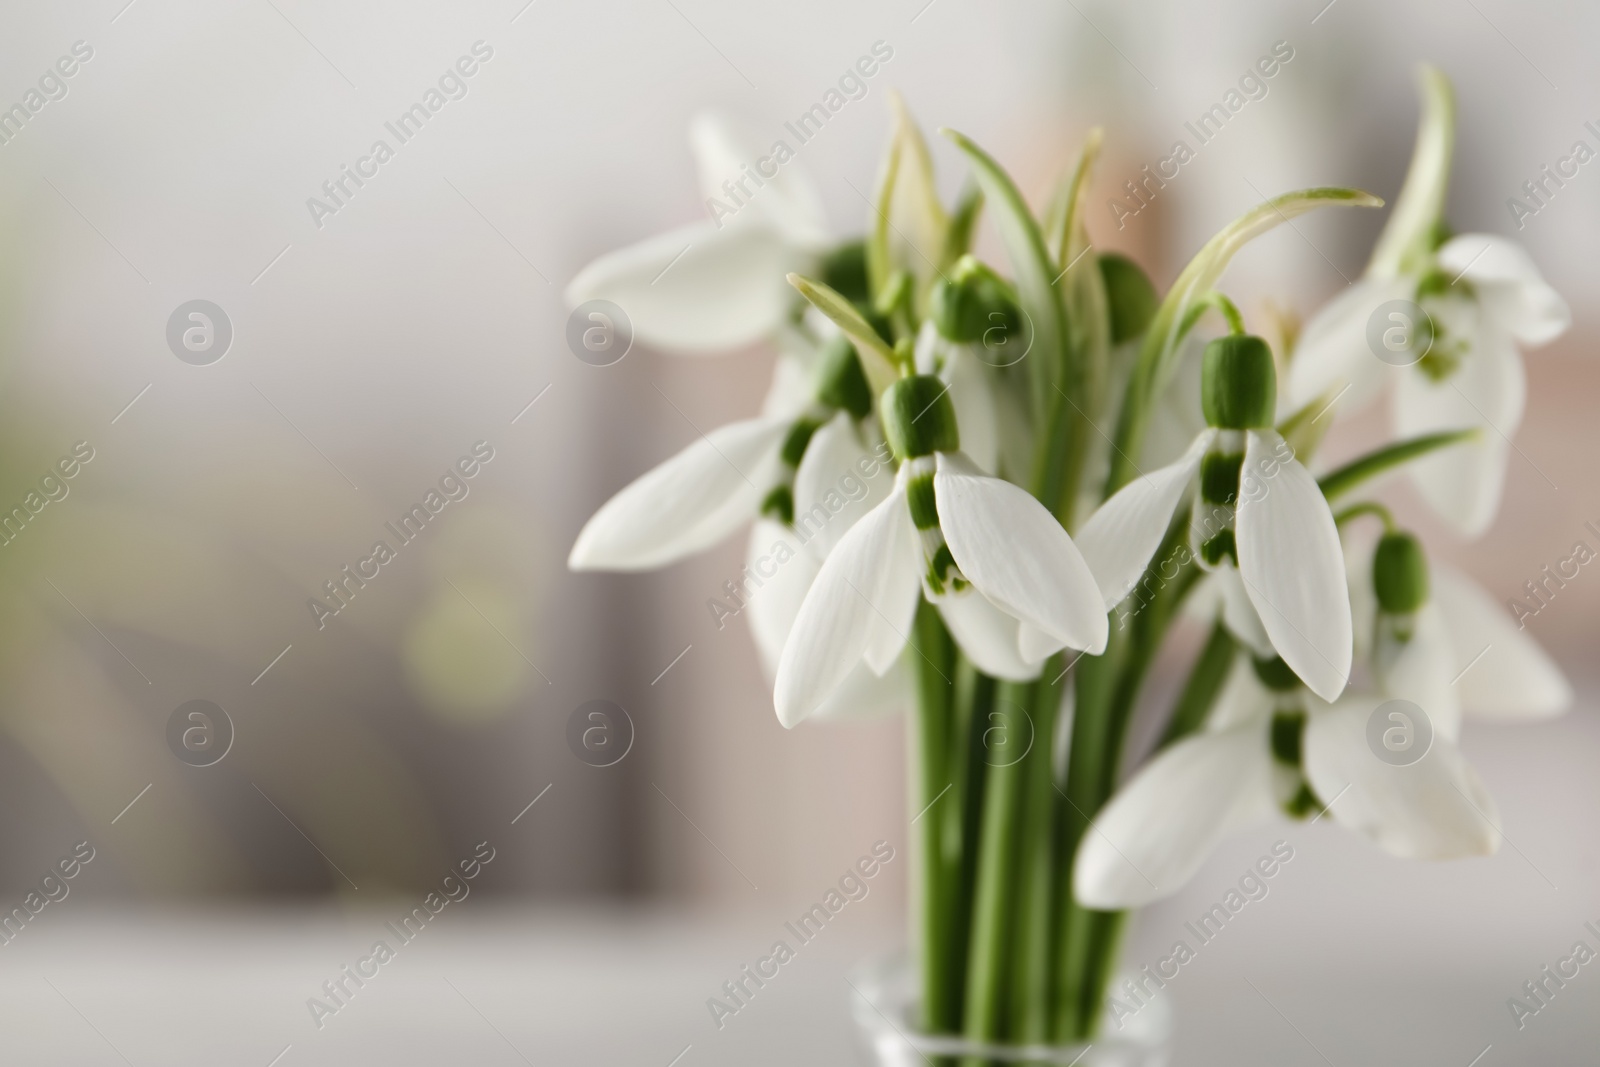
(884, 999)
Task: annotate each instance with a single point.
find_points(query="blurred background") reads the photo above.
(374, 347)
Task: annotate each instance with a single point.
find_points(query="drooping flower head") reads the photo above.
(1254, 509)
(1005, 575)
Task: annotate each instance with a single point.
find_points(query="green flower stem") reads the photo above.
(1200, 691)
(1095, 679)
(994, 910)
(1107, 690)
(932, 759)
(1214, 299)
(1032, 964)
(1366, 507)
(1337, 483)
(976, 696)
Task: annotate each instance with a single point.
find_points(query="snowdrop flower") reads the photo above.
(1007, 578)
(774, 606)
(1483, 297)
(729, 476)
(1270, 745)
(725, 287)
(1255, 508)
(1430, 628)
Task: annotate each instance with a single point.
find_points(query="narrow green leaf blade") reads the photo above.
(1407, 235)
(1031, 265)
(877, 358)
(1158, 353)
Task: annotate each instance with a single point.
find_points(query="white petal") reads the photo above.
(1242, 699)
(856, 588)
(687, 504)
(791, 392)
(1160, 827)
(771, 608)
(1509, 284)
(1220, 594)
(1124, 532)
(1177, 418)
(1333, 351)
(1436, 808)
(891, 627)
(788, 201)
(1016, 554)
(1420, 670)
(1239, 613)
(972, 395)
(1358, 551)
(987, 635)
(1035, 644)
(1514, 679)
(865, 695)
(1293, 566)
(1015, 432)
(831, 491)
(1463, 482)
(726, 291)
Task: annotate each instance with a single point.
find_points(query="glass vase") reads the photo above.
(884, 1005)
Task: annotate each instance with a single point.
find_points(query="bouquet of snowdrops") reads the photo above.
(1054, 471)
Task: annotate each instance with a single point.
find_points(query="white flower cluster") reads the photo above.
(898, 348)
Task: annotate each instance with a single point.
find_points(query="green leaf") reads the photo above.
(1082, 290)
(879, 265)
(1158, 354)
(1032, 267)
(877, 358)
(1407, 238)
(1336, 483)
(963, 221)
(909, 232)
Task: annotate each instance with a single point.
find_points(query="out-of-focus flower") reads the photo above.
(1458, 307)
(1482, 297)
(716, 284)
(1269, 744)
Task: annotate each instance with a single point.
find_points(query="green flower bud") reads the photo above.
(1130, 297)
(918, 417)
(841, 383)
(1238, 383)
(845, 270)
(1400, 574)
(971, 300)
